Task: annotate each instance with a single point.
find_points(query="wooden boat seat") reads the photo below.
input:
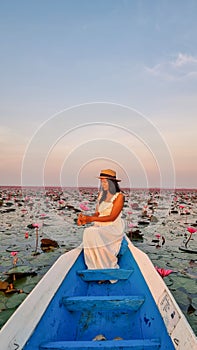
(104, 274)
(92, 304)
(86, 303)
(151, 344)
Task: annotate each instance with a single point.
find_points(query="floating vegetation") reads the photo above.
(40, 225)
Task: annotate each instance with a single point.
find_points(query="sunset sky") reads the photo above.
(87, 85)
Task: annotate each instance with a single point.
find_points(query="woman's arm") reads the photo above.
(81, 218)
(116, 209)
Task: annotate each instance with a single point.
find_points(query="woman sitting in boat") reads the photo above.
(102, 240)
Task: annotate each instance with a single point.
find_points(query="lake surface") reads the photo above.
(156, 221)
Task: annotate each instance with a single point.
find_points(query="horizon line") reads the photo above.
(75, 187)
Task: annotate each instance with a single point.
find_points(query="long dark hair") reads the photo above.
(113, 188)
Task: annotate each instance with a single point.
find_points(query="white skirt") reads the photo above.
(101, 244)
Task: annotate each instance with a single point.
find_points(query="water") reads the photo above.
(56, 210)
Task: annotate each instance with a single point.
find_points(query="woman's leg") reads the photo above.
(97, 253)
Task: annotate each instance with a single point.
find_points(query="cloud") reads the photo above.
(184, 60)
(182, 66)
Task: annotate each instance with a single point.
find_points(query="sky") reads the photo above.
(90, 85)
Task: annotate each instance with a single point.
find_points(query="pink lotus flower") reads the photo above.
(158, 236)
(14, 253)
(36, 225)
(83, 206)
(181, 206)
(129, 212)
(131, 225)
(163, 273)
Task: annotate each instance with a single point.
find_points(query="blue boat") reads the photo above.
(71, 309)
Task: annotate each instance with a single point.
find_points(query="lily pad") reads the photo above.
(185, 283)
(28, 288)
(21, 270)
(2, 305)
(5, 315)
(194, 302)
(182, 298)
(13, 248)
(27, 284)
(15, 300)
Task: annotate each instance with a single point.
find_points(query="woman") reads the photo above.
(101, 241)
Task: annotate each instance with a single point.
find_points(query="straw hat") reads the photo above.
(108, 174)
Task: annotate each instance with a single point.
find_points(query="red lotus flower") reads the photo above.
(163, 273)
(26, 235)
(61, 201)
(191, 230)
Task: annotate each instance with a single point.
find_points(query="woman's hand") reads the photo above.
(81, 220)
(84, 219)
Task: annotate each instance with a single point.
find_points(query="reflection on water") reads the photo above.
(156, 222)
